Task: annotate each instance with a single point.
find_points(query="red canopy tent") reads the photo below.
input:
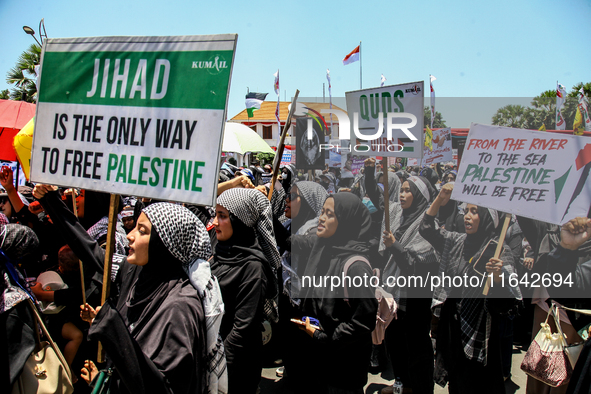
(14, 115)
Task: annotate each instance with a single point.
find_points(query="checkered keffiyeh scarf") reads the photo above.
(254, 210)
(101, 228)
(181, 231)
(475, 319)
(278, 202)
(314, 194)
(420, 250)
(186, 238)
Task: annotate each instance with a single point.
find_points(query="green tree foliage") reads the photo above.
(23, 75)
(542, 110)
(265, 158)
(438, 122)
(511, 115)
(5, 94)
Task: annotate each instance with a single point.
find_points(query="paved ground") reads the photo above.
(270, 383)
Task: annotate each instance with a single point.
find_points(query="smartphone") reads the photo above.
(302, 323)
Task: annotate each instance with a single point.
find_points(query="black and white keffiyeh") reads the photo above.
(186, 238)
(278, 202)
(394, 185)
(404, 224)
(254, 210)
(475, 318)
(313, 194)
(181, 231)
(313, 197)
(101, 228)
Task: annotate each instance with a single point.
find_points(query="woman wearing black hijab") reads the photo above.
(450, 216)
(17, 324)
(303, 206)
(468, 356)
(408, 254)
(245, 262)
(155, 334)
(342, 347)
(431, 175)
(374, 187)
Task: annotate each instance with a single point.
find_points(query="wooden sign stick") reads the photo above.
(279, 153)
(113, 208)
(498, 250)
(79, 261)
(386, 192)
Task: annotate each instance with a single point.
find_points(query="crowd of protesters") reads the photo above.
(201, 296)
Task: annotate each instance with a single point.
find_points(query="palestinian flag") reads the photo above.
(253, 101)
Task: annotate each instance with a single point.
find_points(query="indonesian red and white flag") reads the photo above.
(432, 78)
(560, 97)
(383, 81)
(351, 57)
(276, 87)
(276, 84)
(583, 107)
(329, 95)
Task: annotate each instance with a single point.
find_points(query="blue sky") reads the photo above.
(475, 49)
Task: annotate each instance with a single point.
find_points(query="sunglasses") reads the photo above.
(292, 196)
(3, 200)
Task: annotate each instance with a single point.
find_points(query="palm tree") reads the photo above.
(572, 99)
(511, 115)
(544, 110)
(23, 75)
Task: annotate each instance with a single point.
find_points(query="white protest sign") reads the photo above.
(439, 149)
(335, 158)
(534, 174)
(397, 110)
(138, 116)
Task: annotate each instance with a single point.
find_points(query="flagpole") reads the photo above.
(329, 97)
(360, 68)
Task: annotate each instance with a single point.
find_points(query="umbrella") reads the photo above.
(14, 115)
(241, 139)
(23, 143)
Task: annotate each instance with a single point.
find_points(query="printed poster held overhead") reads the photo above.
(137, 116)
(438, 149)
(538, 175)
(395, 111)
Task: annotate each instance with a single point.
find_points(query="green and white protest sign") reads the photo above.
(387, 121)
(136, 116)
(538, 175)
